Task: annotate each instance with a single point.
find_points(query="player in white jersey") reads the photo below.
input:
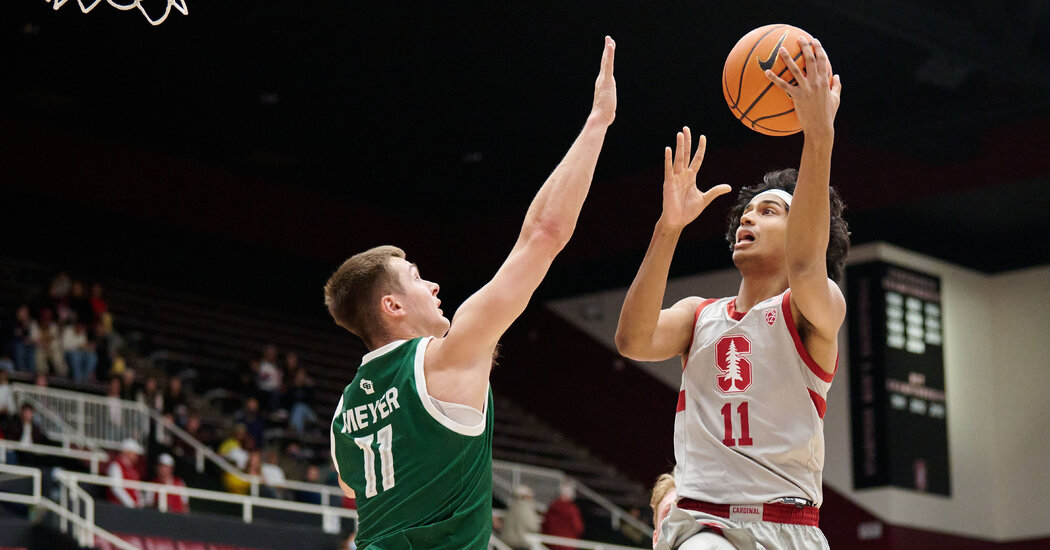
(756, 367)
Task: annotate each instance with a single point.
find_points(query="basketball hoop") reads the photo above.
(88, 5)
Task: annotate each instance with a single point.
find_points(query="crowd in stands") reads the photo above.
(66, 334)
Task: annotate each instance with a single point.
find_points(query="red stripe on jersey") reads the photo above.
(802, 352)
(696, 318)
(818, 402)
(681, 402)
(731, 310)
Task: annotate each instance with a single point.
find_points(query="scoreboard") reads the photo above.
(897, 397)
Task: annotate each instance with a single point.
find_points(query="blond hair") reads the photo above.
(351, 292)
(664, 484)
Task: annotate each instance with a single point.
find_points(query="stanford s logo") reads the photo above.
(731, 359)
(770, 316)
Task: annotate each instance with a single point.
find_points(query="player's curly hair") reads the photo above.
(838, 243)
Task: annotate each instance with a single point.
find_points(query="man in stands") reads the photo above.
(177, 504)
(125, 467)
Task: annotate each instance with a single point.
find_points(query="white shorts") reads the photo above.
(692, 530)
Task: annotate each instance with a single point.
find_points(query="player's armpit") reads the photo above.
(820, 309)
(346, 489)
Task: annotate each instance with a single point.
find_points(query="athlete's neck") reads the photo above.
(755, 288)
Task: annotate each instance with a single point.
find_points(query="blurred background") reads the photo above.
(231, 158)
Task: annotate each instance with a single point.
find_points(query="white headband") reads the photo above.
(779, 193)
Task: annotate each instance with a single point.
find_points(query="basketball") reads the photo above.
(751, 97)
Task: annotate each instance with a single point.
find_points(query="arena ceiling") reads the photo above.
(305, 131)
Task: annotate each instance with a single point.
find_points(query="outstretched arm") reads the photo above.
(816, 99)
(645, 332)
(458, 366)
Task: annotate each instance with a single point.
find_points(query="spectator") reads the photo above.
(629, 530)
(300, 395)
(44, 334)
(273, 476)
(177, 504)
(61, 286)
(7, 398)
(521, 519)
(23, 347)
(80, 305)
(114, 401)
(252, 420)
(175, 401)
(163, 439)
(183, 450)
(268, 379)
(150, 395)
(235, 447)
(25, 429)
(6, 364)
(313, 475)
(664, 495)
(98, 305)
(292, 461)
(241, 484)
(108, 346)
(125, 468)
(130, 387)
(563, 517)
(79, 352)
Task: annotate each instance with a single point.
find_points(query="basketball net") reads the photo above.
(125, 5)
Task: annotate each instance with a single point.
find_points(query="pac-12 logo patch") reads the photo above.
(367, 386)
(770, 316)
(731, 360)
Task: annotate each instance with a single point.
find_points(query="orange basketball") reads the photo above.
(751, 97)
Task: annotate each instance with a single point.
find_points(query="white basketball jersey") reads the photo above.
(749, 426)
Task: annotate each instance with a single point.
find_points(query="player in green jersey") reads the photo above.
(412, 435)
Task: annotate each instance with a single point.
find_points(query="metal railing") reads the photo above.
(65, 516)
(105, 421)
(71, 481)
(94, 458)
(202, 452)
(546, 484)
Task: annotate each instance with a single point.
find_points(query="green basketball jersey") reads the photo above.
(422, 479)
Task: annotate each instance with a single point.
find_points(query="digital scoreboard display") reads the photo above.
(900, 417)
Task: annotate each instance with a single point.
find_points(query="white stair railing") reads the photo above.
(546, 485)
(93, 458)
(105, 421)
(65, 516)
(329, 515)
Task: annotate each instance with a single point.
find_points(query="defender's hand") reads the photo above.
(683, 201)
(604, 108)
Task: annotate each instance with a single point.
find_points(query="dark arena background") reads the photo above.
(211, 171)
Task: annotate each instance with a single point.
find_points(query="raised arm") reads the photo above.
(458, 366)
(816, 99)
(645, 332)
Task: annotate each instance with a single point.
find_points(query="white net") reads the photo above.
(154, 16)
